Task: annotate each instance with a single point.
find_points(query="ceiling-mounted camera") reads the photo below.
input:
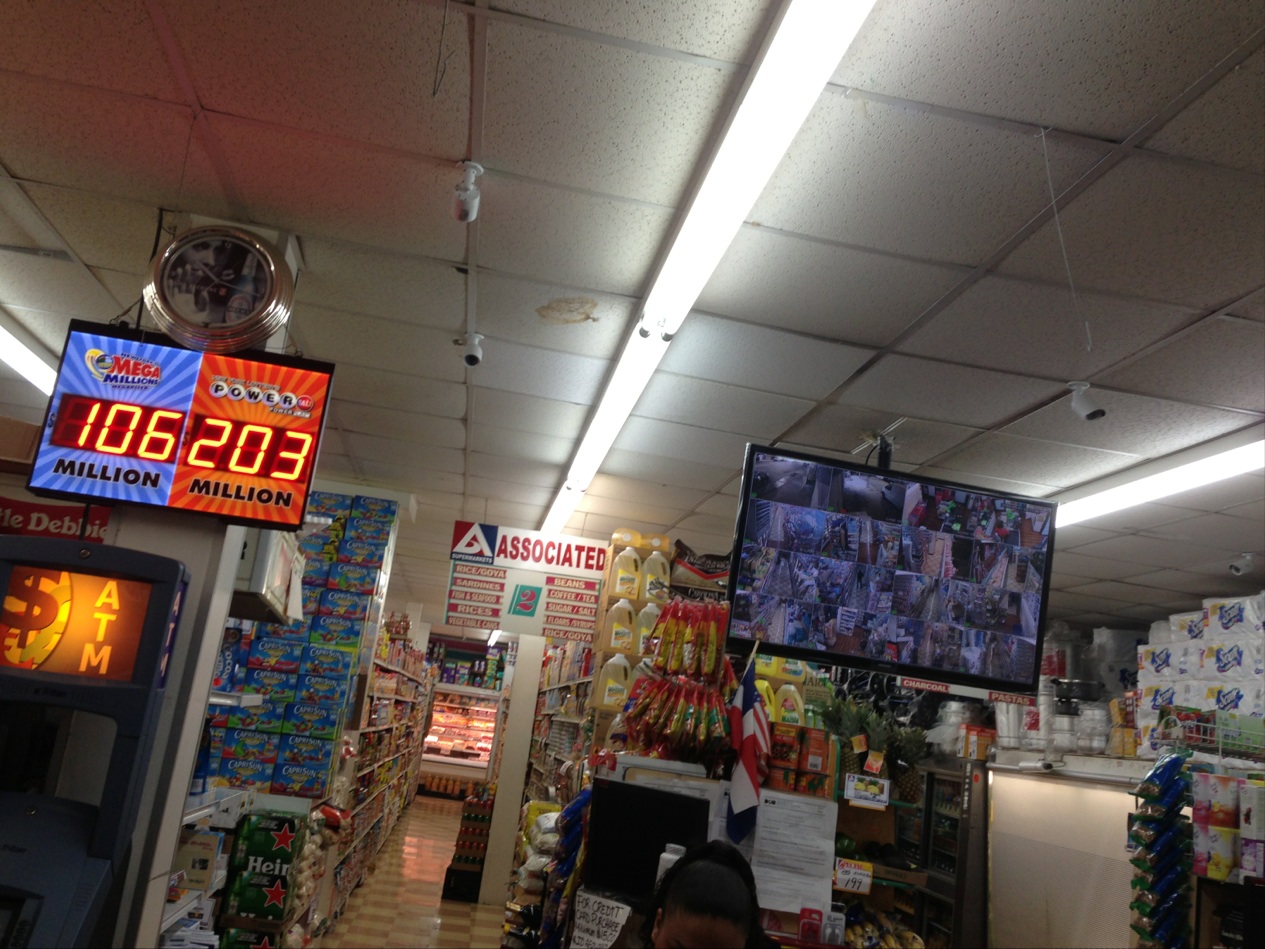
(465, 196)
(471, 348)
(1084, 404)
(1242, 565)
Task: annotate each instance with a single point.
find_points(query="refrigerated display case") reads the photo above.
(464, 732)
(946, 834)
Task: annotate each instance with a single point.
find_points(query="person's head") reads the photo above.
(706, 898)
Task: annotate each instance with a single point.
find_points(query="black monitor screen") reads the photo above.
(841, 563)
(628, 827)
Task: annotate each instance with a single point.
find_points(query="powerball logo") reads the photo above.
(122, 371)
(473, 543)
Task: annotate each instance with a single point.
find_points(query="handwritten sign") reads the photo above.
(862, 790)
(598, 920)
(853, 876)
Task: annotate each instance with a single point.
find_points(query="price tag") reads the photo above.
(853, 876)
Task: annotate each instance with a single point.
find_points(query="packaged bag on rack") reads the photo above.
(543, 835)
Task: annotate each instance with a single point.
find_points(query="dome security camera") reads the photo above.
(1242, 565)
(1084, 404)
(472, 351)
(465, 196)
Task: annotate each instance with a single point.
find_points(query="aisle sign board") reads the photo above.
(524, 582)
(598, 920)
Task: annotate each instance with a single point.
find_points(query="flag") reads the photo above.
(749, 721)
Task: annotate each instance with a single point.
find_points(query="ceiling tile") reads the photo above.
(1217, 571)
(527, 413)
(822, 289)
(514, 443)
(503, 468)
(994, 57)
(628, 510)
(1216, 530)
(911, 182)
(545, 373)
(378, 344)
(102, 231)
(1129, 593)
(645, 492)
(1183, 581)
(125, 288)
(1251, 307)
(713, 405)
(1026, 459)
(1217, 364)
(1222, 494)
(1026, 488)
(381, 283)
(511, 491)
(1136, 424)
(47, 327)
(1252, 510)
(1223, 125)
(1069, 538)
(707, 524)
(924, 389)
(1156, 229)
(552, 316)
(1040, 330)
(1140, 517)
(403, 391)
(720, 505)
(1076, 563)
(684, 442)
(512, 514)
(1063, 601)
(402, 476)
(842, 428)
(562, 109)
(666, 470)
(413, 427)
(1146, 551)
(54, 286)
(760, 357)
(425, 457)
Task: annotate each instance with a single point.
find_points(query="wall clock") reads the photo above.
(220, 289)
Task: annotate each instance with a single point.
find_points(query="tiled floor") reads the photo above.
(399, 906)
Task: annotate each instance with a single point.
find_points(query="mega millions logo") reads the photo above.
(34, 616)
(123, 372)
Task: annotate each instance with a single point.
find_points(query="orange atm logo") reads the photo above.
(72, 623)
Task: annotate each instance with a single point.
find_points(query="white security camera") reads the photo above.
(465, 196)
(1242, 565)
(472, 351)
(1084, 404)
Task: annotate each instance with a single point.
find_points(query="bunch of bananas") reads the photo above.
(878, 931)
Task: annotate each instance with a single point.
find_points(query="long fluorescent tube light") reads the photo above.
(26, 362)
(1195, 474)
(784, 84)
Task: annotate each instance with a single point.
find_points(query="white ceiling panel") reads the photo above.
(1063, 602)
(1218, 569)
(1127, 593)
(528, 413)
(125, 288)
(430, 430)
(378, 344)
(1223, 125)
(1069, 538)
(404, 476)
(629, 510)
(1040, 330)
(865, 173)
(1035, 61)
(666, 470)
(1028, 459)
(105, 232)
(1216, 530)
(1147, 551)
(822, 289)
(1251, 307)
(545, 373)
(47, 327)
(1140, 517)
(511, 491)
(302, 74)
(759, 357)
(1178, 581)
(1027, 488)
(503, 468)
(406, 453)
(1194, 235)
(397, 287)
(714, 405)
(920, 388)
(404, 391)
(1134, 423)
(645, 492)
(600, 525)
(591, 116)
(684, 442)
(1251, 511)
(706, 524)
(1220, 495)
(551, 316)
(720, 29)
(720, 505)
(515, 443)
(53, 286)
(512, 514)
(842, 428)
(582, 240)
(1217, 364)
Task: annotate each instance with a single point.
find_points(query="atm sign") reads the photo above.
(72, 623)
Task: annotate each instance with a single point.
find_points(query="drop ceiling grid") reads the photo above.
(378, 344)
(525, 413)
(104, 232)
(716, 406)
(401, 391)
(515, 443)
(552, 315)
(415, 427)
(56, 289)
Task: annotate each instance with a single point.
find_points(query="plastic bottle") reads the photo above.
(788, 706)
(626, 572)
(671, 854)
(766, 692)
(613, 682)
(656, 578)
(621, 626)
(646, 621)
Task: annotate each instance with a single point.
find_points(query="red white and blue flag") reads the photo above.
(749, 730)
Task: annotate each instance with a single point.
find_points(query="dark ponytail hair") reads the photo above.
(712, 880)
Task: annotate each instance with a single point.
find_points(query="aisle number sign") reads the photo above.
(135, 417)
(523, 581)
(853, 876)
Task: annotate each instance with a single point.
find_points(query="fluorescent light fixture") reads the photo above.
(1195, 474)
(26, 361)
(781, 89)
(493, 637)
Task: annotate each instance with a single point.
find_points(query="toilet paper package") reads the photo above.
(1221, 661)
(1246, 698)
(1234, 619)
(1183, 627)
(1167, 661)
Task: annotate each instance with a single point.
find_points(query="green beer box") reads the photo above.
(247, 939)
(268, 843)
(261, 895)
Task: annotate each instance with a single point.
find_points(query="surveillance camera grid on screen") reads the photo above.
(890, 569)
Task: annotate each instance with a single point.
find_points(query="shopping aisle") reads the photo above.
(400, 906)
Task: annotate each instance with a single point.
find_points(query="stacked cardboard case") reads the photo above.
(305, 670)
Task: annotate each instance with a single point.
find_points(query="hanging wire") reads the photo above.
(1058, 227)
(441, 61)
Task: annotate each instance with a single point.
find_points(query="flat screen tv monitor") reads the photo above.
(841, 563)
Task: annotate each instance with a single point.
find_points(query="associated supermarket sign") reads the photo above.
(494, 546)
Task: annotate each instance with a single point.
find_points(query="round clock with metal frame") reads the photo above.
(220, 289)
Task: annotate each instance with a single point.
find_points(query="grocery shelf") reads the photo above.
(236, 699)
(204, 805)
(481, 765)
(569, 682)
(359, 807)
(175, 911)
(379, 764)
(375, 728)
(572, 719)
(391, 668)
(398, 698)
(467, 690)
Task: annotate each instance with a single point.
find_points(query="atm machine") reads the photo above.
(85, 629)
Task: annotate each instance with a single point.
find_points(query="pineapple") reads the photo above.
(910, 747)
(841, 717)
(878, 729)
